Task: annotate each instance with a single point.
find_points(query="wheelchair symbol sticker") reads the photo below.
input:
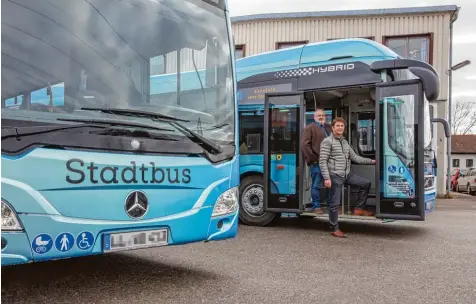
(42, 243)
(85, 240)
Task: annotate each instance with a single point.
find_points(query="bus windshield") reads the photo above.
(170, 57)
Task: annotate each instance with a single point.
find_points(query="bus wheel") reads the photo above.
(252, 202)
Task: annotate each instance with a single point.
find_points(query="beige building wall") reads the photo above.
(262, 33)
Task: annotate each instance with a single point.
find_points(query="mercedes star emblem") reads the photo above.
(135, 144)
(137, 204)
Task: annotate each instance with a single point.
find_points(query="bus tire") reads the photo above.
(251, 202)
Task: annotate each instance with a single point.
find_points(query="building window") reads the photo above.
(456, 163)
(417, 47)
(285, 45)
(239, 51)
(469, 163)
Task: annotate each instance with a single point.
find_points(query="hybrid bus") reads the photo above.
(94, 158)
(385, 101)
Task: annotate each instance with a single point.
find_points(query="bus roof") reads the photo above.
(314, 54)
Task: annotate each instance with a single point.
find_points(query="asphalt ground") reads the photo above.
(294, 261)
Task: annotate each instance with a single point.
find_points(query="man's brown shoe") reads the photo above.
(338, 233)
(318, 211)
(360, 212)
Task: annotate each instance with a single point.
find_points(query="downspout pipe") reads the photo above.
(454, 17)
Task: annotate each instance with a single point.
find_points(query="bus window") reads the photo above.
(401, 129)
(366, 134)
(251, 135)
(14, 102)
(253, 142)
(283, 124)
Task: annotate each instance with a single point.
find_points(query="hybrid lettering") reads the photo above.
(333, 68)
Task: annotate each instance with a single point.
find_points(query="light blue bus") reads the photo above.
(385, 101)
(96, 158)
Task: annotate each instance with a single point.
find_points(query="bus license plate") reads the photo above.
(135, 240)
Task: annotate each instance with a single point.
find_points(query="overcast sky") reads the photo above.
(464, 80)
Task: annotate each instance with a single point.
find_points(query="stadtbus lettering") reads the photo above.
(129, 175)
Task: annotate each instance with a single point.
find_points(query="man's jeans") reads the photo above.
(336, 194)
(317, 181)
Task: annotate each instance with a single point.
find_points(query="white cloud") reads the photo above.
(464, 39)
(464, 93)
(471, 77)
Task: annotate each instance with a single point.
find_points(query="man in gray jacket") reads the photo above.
(335, 157)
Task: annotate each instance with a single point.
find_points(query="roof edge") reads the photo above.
(349, 13)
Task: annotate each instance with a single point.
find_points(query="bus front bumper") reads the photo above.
(51, 237)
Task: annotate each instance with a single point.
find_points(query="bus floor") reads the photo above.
(345, 212)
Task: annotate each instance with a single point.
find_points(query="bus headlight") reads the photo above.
(10, 220)
(226, 203)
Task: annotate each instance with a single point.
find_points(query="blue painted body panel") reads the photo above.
(35, 185)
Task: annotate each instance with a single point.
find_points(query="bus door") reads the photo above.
(283, 164)
(400, 150)
(331, 112)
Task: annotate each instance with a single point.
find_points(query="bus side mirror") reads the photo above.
(445, 124)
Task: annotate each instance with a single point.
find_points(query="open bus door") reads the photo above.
(400, 120)
(284, 118)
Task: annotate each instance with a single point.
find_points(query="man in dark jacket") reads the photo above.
(335, 159)
(311, 139)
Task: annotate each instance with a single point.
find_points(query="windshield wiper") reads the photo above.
(112, 122)
(21, 131)
(215, 127)
(135, 113)
(205, 143)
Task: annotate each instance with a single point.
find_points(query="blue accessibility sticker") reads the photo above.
(42, 243)
(64, 242)
(401, 170)
(392, 169)
(85, 240)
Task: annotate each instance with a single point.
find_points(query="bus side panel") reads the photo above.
(251, 163)
(15, 251)
(283, 172)
(430, 198)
